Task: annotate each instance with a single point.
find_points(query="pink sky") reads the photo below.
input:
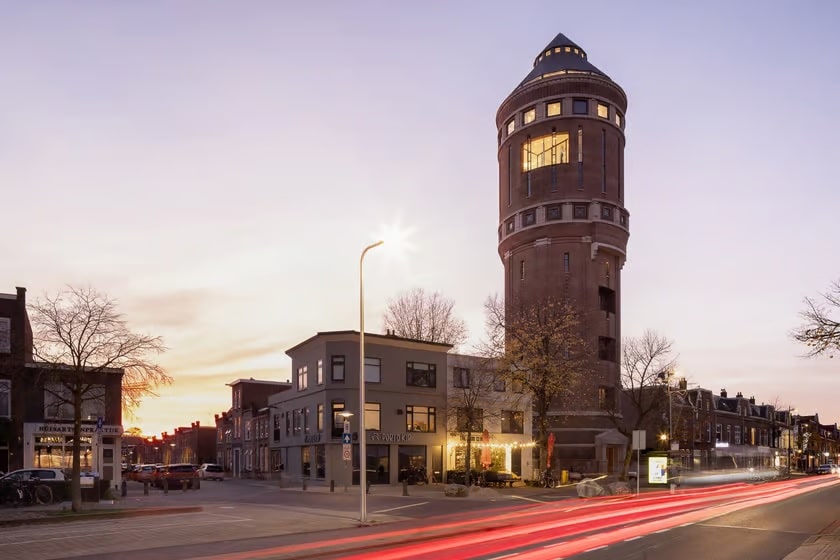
(218, 169)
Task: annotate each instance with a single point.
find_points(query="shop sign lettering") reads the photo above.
(388, 437)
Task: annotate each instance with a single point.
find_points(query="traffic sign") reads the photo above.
(346, 452)
(347, 426)
(346, 438)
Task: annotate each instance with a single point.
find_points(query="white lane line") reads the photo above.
(633, 538)
(400, 507)
(502, 556)
(663, 530)
(561, 543)
(603, 546)
(528, 499)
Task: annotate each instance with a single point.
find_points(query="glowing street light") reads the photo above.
(362, 434)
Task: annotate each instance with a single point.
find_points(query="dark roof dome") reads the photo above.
(560, 56)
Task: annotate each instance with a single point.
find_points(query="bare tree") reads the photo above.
(539, 347)
(423, 316)
(80, 339)
(474, 399)
(647, 364)
(820, 332)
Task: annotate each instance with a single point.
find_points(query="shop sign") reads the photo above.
(67, 429)
(315, 438)
(389, 437)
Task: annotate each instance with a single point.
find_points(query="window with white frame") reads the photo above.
(320, 373)
(302, 377)
(5, 398)
(320, 417)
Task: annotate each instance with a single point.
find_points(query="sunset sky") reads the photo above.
(217, 167)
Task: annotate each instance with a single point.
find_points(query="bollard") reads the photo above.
(332, 485)
(183, 485)
(304, 483)
(145, 487)
(165, 485)
(124, 489)
(405, 487)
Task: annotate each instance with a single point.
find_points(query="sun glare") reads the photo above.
(397, 240)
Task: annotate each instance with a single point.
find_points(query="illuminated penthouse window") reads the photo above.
(510, 126)
(603, 111)
(529, 116)
(553, 109)
(550, 149)
(617, 119)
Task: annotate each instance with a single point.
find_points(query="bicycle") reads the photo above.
(20, 493)
(547, 480)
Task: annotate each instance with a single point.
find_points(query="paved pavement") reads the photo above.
(226, 519)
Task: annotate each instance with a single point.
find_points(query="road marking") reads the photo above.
(663, 530)
(633, 538)
(561, 543)
(400, 507)
(502, 556)
(603, 546)
(528, 499)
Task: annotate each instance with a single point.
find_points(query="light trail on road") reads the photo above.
(546, 531)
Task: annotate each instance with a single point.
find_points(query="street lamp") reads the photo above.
(362, 434)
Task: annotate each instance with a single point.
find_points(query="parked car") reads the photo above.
(827, 468)
(176, 473)
(36, 474)
(211, 471)
(144, 473)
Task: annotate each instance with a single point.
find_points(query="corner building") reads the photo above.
(563, 228)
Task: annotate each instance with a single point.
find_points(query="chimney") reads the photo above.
(723, 393)
(752, 400)
(739, 395)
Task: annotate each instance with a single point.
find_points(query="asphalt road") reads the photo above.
(767, 532)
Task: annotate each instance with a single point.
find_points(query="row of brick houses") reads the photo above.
(719, 431)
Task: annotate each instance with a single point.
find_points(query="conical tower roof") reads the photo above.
(561, 55)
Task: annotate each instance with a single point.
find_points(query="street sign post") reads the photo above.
(347, 443)
(638, 444)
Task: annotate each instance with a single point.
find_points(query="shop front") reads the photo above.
(50, 445)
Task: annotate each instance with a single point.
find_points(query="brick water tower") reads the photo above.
(563, 228)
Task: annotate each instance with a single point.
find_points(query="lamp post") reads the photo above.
(362, 434)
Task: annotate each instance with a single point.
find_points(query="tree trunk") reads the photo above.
(75, 480)
(467, 459)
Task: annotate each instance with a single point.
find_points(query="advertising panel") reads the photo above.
(658, 470)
